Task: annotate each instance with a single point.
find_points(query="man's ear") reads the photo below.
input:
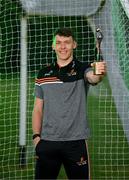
(75, 45)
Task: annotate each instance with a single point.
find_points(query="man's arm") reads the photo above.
(37, 118)
(94, 79)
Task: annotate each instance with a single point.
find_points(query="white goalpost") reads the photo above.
(23, 92)
(26, 34)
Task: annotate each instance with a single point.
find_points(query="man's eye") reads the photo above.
(57, 42)
(67, 42)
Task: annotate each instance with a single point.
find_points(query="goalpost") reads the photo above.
(25, 46)
(23, 91)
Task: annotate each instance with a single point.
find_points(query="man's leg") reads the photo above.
(76, 161)
(48, 161)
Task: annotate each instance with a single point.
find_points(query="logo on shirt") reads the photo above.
(72, 73)
(49, 73)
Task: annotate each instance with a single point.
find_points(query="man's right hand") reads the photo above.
(36, 141)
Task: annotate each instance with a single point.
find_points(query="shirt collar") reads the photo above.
(69, 66)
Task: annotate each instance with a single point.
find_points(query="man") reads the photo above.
(59, 119)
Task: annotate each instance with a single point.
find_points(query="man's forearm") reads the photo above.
(36, 122)
(36, 126)
(92, 78)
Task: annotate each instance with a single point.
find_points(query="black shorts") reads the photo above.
(52, 154)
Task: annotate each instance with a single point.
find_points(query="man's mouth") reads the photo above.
(63, 52)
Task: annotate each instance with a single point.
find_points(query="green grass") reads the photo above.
(108, 148)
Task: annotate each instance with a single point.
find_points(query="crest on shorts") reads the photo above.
(82, 161)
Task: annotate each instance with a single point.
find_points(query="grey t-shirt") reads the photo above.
(63, 91)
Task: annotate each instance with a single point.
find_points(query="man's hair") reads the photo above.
(67, 32)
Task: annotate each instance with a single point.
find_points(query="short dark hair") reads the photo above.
(63, 31)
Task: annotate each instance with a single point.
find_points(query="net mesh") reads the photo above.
(121, 29)
(109, 143)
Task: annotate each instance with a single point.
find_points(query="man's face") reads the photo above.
(63, 47)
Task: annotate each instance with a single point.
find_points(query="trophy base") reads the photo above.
(96, 69)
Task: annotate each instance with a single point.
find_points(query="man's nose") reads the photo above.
(63, 46)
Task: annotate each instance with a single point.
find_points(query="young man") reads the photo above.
(59, 119)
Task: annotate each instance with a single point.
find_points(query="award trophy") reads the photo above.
(99, 37)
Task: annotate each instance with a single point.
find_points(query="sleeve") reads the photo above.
(86, 71)
(86, 80)
(38, 91)
(87, 68)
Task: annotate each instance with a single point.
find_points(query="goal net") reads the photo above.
(26, 32)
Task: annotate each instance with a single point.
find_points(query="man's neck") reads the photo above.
(63, 63)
